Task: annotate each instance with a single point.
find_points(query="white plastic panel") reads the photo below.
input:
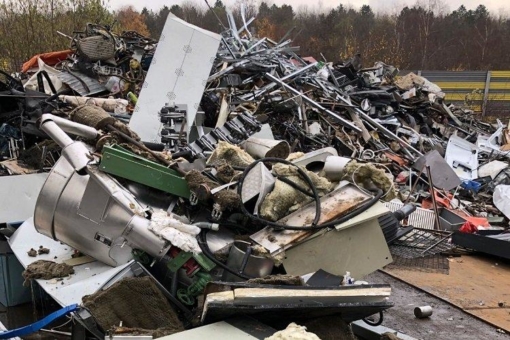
(178, 73)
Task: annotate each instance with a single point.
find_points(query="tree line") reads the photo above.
(423, 36)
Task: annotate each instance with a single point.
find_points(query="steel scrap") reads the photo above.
(282, 151)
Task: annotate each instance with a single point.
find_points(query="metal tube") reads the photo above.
(301, 70)
(74, 128)
(434, 203)
(269, 87)
(313, 103)
(243, 17)
(56, 133)
(383, 129)
(255, 45)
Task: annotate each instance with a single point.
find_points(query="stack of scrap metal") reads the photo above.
(99, 63)
(250, 179)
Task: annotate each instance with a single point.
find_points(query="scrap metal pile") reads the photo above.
(100, 68)
(287, 171)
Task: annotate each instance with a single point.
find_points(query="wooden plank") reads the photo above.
(333, 205)
(315, 293)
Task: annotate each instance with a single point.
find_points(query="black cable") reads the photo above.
(301, 173)
(202, 243)
(295, 186)
(314, 225)
(374, 324)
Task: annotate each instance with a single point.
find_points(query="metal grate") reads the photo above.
(429, 264)
(420, 243)
(421, 218)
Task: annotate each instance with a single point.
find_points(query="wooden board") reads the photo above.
(333, 205)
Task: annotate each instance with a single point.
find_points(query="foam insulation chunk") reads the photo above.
(178, 233)
(231, 154)
(293, 332)
(285, 199)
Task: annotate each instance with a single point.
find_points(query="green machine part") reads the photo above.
(177, 262)
(187, 295)
(120, 162)
(200, 278)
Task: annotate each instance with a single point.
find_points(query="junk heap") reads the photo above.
(289, 171)
(100, 68)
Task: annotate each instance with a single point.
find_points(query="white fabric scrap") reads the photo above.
(179, 234)
(293, 332)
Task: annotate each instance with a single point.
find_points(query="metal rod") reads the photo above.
(434, 203)
(415, 183)
(287, 35)
(216, 15)
(313, 103)
(243, 17)
(55, 332)
(239, 31)
(383, 129)
(246, 257)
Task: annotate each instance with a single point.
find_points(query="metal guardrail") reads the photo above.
(487, 92)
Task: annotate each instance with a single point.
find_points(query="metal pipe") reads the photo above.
(56, 332)
(239, 31)
(269, 87)
(383, 129)
(313, 103)
(71, 127)
(434, 203)
(261, 41)
(243, 17)
(56, 133)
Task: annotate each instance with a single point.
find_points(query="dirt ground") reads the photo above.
(446, 323)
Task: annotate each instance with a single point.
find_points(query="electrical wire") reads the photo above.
(202, 243)
(301, 172)
(315, 224)
(372, 323)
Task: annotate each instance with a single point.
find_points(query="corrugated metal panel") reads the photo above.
(499, 86)
(81, 83)
(460, 85)
(500, 74)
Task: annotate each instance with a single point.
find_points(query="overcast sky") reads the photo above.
(495, 6)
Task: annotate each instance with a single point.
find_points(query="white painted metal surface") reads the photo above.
(462, 157)
(18, 195)
(87, 279)
(178, 74)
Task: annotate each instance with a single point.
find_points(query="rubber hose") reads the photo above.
(202, 243)
(374, 324)
(314, 225)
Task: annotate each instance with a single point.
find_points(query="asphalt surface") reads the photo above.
(447, 322)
